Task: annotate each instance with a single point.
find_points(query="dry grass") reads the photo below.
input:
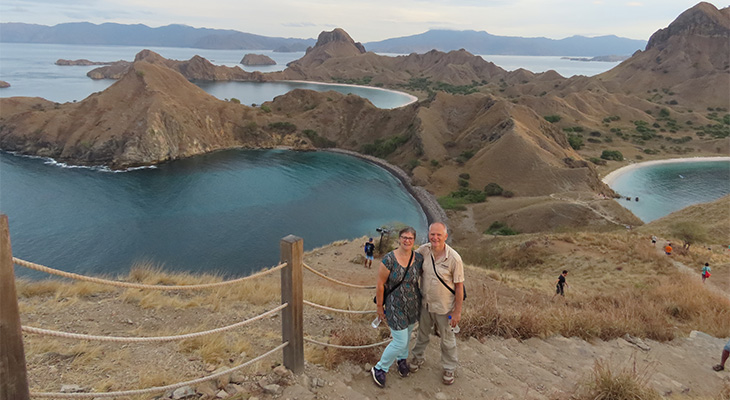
(352, 336)
(619, 284)
(626, 384)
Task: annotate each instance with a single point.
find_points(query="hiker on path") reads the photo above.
(723, 358)
(442, 287)
(706, 272)
(398, 301)
(369, 249)
(560, 284)
(668, 249)
(653, 240)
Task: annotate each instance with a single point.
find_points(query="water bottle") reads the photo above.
(455, 329)
(376, 322)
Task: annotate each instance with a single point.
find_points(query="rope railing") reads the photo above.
(71, 275)
(315, 305)
(124, 339)
(335, 280)
(339, 346)
(158, 388)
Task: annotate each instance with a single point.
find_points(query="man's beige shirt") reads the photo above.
(450, 268)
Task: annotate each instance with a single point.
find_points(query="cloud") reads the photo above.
(634, 4)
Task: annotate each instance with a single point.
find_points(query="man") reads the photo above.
(439, 307)
(668, 249)
(560, 284)
(369, 248)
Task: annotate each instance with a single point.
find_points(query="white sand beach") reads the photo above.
(411, 98)
(613, 175)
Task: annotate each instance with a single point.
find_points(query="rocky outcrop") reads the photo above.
(82, 61)
(4, 84)
(257, 59)
(151, 115)
(690, 58)
(197, 68)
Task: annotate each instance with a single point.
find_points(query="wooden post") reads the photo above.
(292, 320)
(13, 375)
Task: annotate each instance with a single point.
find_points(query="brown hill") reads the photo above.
(152, 114)
(197, 68)
(689, 58)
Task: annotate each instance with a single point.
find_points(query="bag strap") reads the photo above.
(433, 262)
(388, 292)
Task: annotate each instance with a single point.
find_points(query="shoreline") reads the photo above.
(427, 201)
(612, 176)
(411, 98)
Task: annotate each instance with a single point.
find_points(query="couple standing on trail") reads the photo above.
(437, 301)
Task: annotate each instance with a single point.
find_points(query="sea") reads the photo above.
(665, 188)
(223, 212)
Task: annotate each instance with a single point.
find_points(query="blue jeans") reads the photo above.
(396, 349)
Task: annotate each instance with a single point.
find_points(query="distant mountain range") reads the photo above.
(477, 42)
(185, 36)
(86, 33)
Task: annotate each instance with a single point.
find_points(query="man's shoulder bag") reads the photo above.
(433, 262)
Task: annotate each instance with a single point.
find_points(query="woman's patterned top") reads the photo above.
(403, 305)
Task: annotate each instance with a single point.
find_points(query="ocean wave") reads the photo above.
(99, 168)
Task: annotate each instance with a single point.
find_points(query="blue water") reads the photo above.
(665, 188)
(224, 212)
(30, 67)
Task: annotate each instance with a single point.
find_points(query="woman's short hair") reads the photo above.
(407, 229)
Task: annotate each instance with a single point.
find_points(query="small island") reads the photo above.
(257, 59)
(83, 62)
(4, 84)
(611, 58)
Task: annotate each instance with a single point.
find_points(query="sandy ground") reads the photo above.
(491, 368)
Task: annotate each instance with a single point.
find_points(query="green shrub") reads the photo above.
(235, 100)
(508, 194)
(464, 175)
(318, 141)
(500, 228)
(597, 161)
(434, 163)
(467, 154)
(383, 147)
(463, 183)
(265, 108)
(493, 189)
(552, 118)
(612, 155)
(575, 141)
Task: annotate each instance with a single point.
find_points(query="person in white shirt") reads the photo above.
(440, 307)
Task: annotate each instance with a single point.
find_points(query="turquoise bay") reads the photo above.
(667, 187)
(223, 212)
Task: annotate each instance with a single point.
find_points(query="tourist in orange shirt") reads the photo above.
(668, 249)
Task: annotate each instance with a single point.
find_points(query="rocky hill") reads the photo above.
(689, 58)
(532, 134)
(197, 68)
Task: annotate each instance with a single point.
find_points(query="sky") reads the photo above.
(368, 20)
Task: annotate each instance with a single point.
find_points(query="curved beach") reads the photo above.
(411, 98)
(613, 175)
(427, 201)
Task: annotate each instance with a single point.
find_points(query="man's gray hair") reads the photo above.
(440, 223)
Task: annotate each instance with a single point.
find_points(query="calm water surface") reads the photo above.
(222, 212)
(665, 188)
(30, 67)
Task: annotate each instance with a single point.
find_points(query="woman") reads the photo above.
(398, 300)
(706, 272)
